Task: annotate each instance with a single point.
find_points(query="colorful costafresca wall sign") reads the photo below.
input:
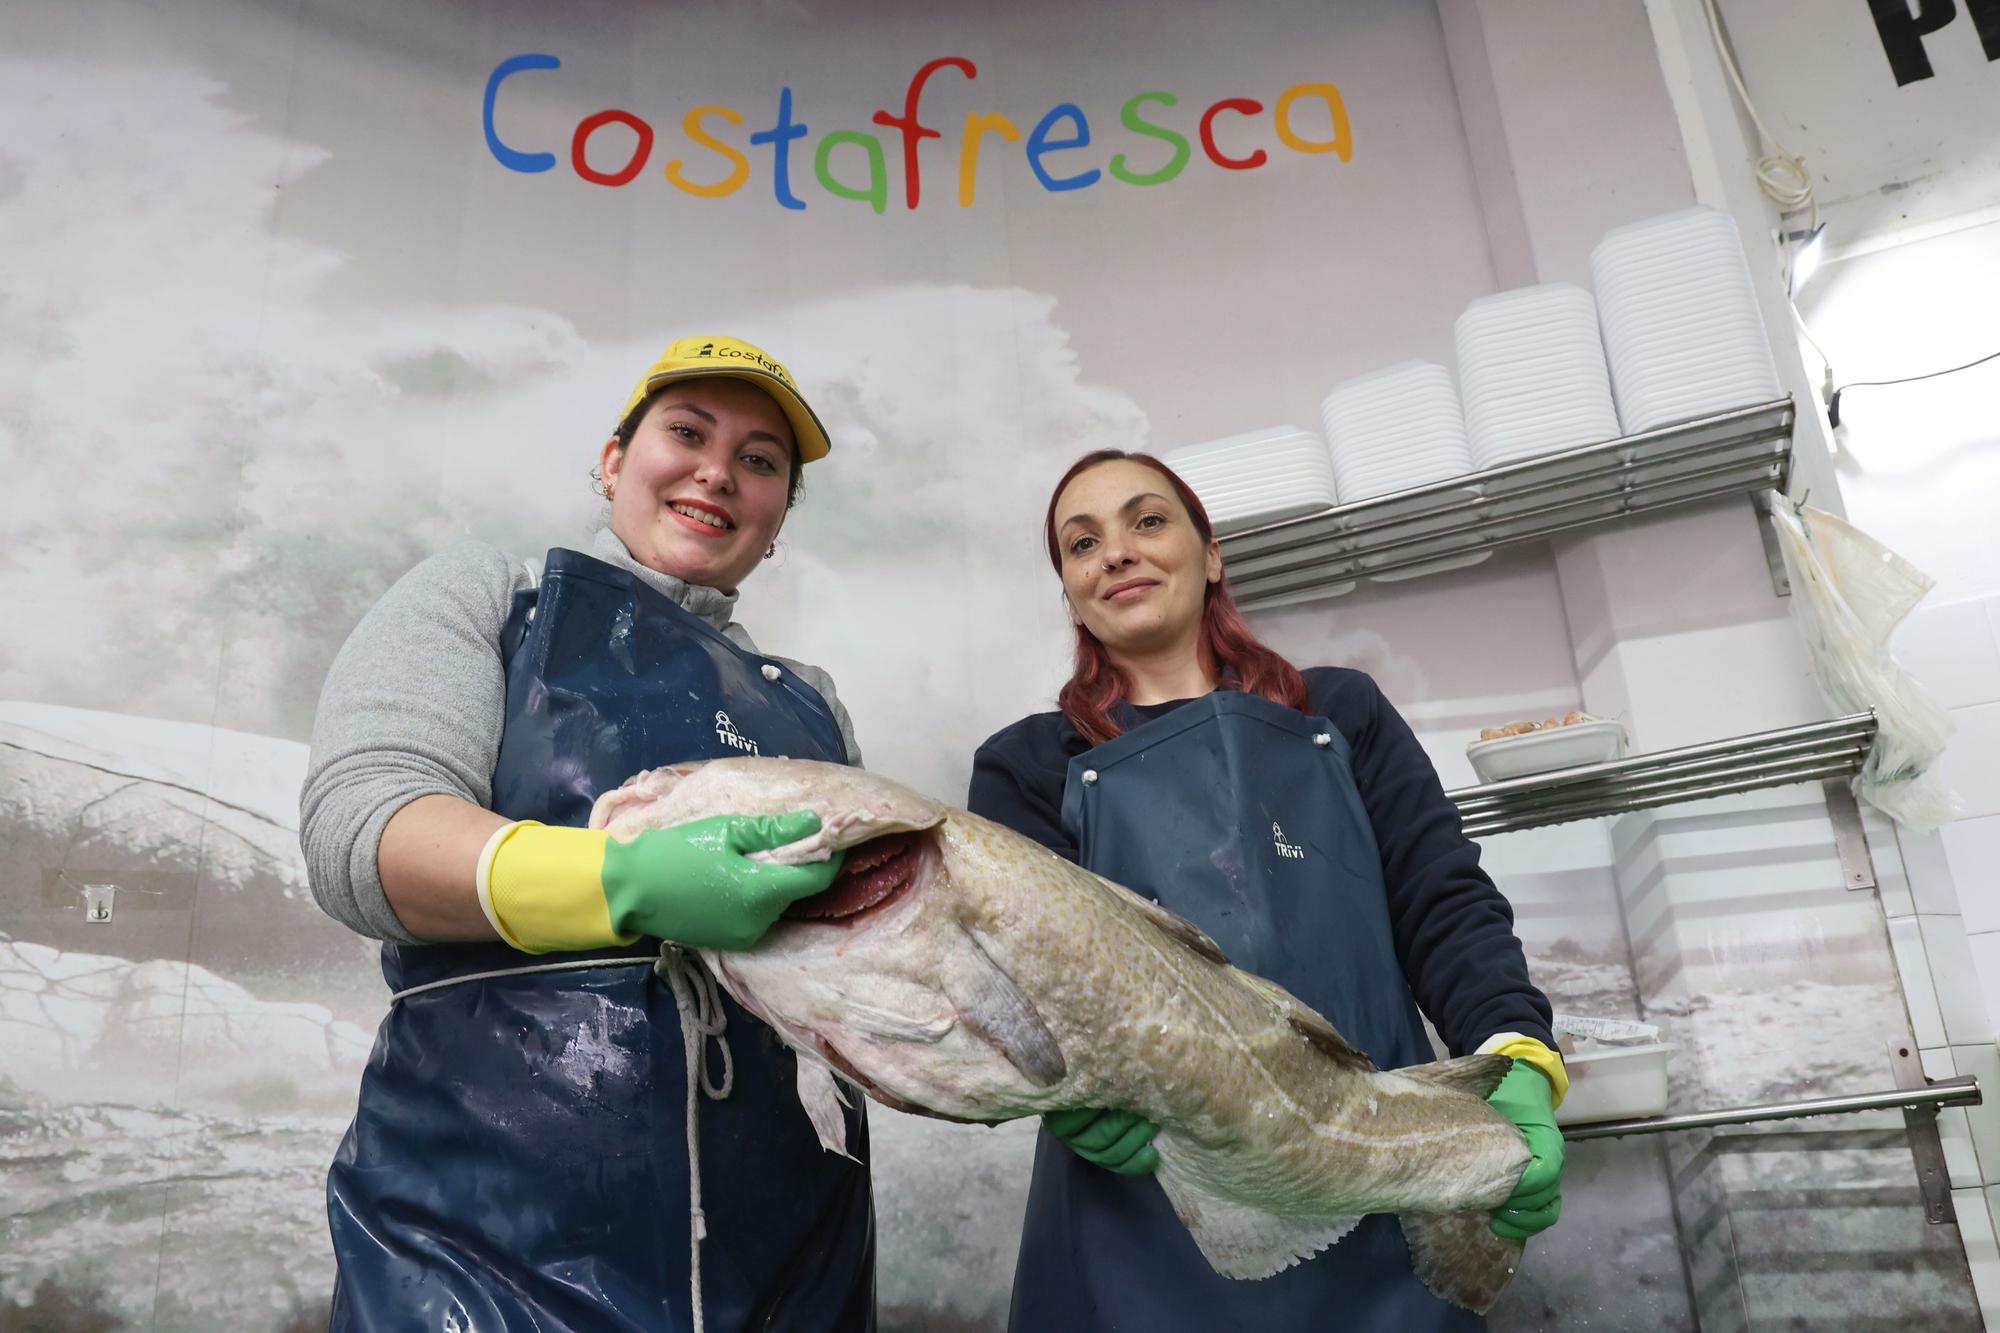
(1235, 134)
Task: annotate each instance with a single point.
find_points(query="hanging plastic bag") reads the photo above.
(1849, 592)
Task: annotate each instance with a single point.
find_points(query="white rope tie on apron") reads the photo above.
(573, 966)
(699, 1001)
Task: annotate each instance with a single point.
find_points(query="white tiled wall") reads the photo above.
(1944, 919)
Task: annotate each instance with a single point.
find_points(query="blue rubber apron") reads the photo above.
(518, 1158)
(1242, 816)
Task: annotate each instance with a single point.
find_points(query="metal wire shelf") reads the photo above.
(1816, 752)
(1740, 451)
(1918, 1097)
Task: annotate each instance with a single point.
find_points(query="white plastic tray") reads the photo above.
(1615, 1082)
(1595, 742)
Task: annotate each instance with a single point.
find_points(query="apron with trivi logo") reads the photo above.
(1242, 816)
(519, 1156)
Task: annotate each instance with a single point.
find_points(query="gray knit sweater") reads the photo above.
(414, 704)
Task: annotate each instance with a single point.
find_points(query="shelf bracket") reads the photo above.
(1850, 842)
(1920, 1120)
(1774, 556)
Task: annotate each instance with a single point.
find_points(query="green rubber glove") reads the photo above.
(1120, 1141)
(547, 888)
(1526, 1098)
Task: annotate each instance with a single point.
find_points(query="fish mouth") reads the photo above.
(875, 874)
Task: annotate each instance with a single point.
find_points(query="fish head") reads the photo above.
(880, 977)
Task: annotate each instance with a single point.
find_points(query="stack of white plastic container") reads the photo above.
(1682, 330)
(1531, 374)
(1393, 429)
(1261, 476)
(1672, 331)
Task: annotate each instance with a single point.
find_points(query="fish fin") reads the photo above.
(1460, 1258)
(1320, 1033)
(822, 1100)
(852, 1077)
(1309, 1023)
(1476, 1074)
(1244, 1242)
(993, 1009)
(1179, 927)
(876, 1020)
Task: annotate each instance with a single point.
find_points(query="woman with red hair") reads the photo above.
(1294, 817)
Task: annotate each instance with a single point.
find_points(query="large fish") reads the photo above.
(957, 969)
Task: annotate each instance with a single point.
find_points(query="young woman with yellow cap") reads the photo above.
(529, 1145)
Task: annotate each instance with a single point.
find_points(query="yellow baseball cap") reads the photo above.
(732, 358)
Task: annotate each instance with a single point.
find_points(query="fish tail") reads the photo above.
(1459, 1257)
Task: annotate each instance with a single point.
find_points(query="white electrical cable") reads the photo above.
(1805, 332)
(1782, 176)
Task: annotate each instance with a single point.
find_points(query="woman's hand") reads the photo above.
(1120, 1141)
(548, 888)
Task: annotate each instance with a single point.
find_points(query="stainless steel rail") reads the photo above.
(1817, 751)
(1960, 1091)
(1727, 453)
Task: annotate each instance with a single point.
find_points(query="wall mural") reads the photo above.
(291, 297)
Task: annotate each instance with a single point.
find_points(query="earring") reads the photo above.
(610, 491)
(770, 550)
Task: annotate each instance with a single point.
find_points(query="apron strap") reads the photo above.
(569, 966)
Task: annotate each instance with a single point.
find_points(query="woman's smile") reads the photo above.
(698, 516)
(1131, 590)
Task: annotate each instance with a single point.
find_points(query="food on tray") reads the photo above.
(1569, 719)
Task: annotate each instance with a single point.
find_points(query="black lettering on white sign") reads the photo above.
(1903, 30)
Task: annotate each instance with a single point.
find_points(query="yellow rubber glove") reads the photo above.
(1530, 1051)
(549, 889)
